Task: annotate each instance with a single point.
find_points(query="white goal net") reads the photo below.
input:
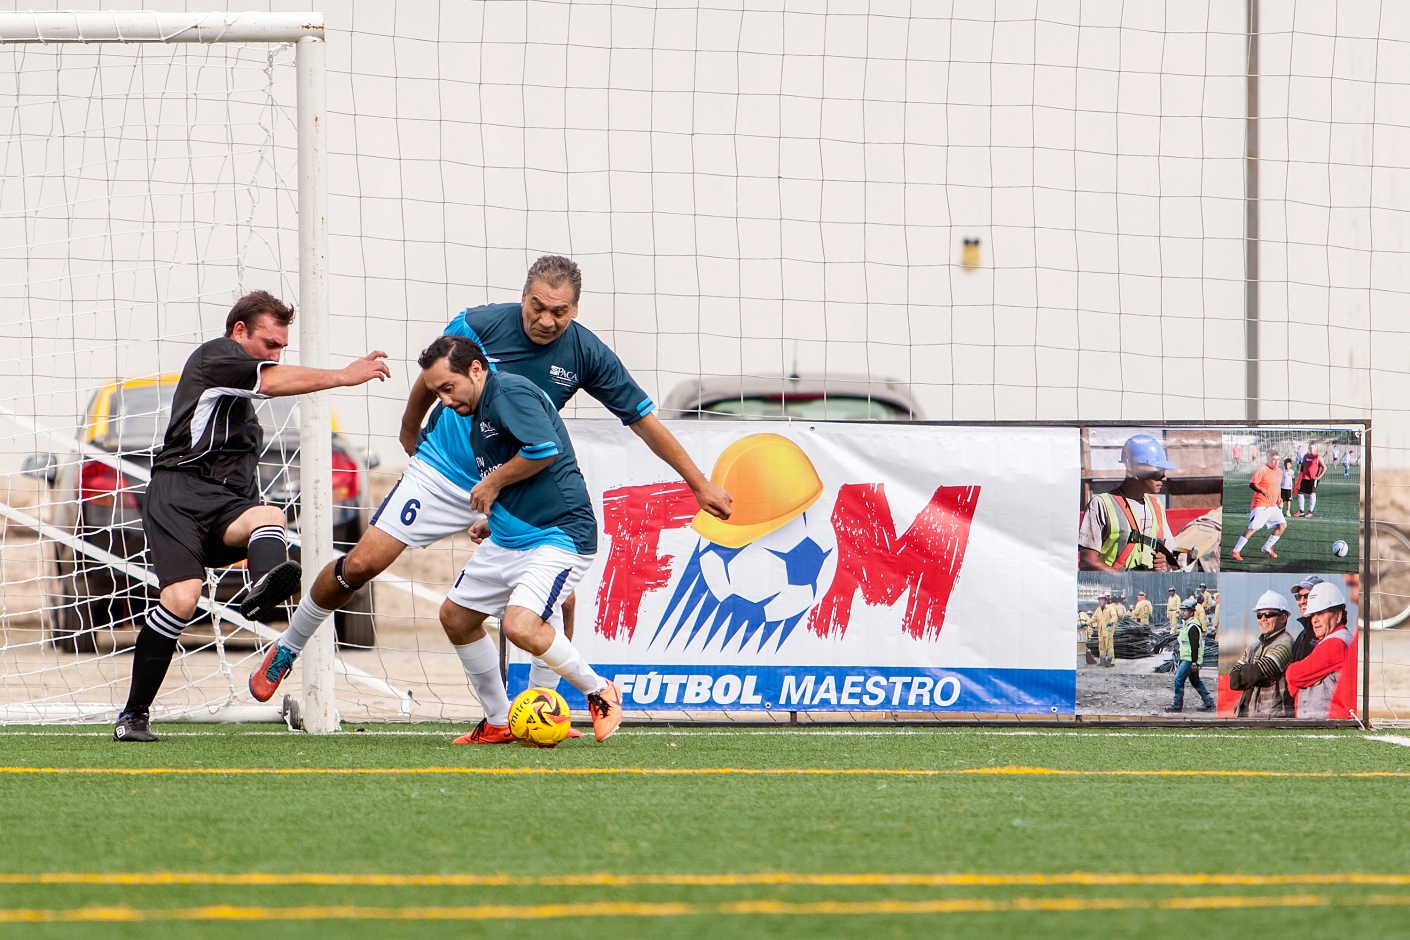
(145, 185)
(1010, 211)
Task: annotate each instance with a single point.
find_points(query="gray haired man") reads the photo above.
(1259, 673)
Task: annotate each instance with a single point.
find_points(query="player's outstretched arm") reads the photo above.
(417, 404)
(281, 381)
(713, 499)
(513, 470)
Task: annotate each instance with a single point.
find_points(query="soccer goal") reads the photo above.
(156, 167)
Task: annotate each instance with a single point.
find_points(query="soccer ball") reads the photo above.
(781, 571)
(539, 718)
(1340, 548)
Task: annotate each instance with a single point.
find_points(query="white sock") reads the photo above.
(1313, 502)
(1272, 540)
(540, 676)
(563, 658)
(1301, 502)
(481, 662)
(307, 618)
(1239, 545)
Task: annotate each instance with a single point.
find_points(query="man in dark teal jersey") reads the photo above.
(539, 339)
(542, 533)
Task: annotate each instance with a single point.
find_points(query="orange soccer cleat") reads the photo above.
(574, 733)
(271, 671)
(1236, 556)
(606, 707)
(486, 733)
(1269, 552)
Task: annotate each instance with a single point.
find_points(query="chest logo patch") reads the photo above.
(562, 376)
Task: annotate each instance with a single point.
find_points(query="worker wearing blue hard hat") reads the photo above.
(1126, 529)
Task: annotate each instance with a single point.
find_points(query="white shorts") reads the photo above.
(537, 578)
(424, 507)
(1270, 516)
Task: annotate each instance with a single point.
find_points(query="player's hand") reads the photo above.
(367, 368)
(1161, 562)
(714, 500)
(479, 531)
(408, 438)
(484, 494)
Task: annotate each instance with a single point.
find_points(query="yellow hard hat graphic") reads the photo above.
(772, 482)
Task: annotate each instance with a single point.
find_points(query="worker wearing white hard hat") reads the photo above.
(1325, 682)
(1259, 674)
(1126, 529)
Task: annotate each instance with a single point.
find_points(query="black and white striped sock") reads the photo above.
(156, 644)
(168, 624)
(268, 548)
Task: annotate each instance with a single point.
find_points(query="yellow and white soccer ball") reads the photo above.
(539, 718)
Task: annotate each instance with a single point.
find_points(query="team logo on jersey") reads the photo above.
(488, 430)
(562, 376)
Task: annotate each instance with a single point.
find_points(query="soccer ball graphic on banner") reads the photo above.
(539, 718)
(1340, 548)
(754, 576)
(781, 571)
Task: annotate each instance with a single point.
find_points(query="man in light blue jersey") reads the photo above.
(539, 339)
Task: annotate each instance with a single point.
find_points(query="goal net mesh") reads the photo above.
(1011, 211)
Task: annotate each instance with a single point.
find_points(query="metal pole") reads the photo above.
(1367, 546)
(1251, 390)
(75, 26)
(320, 713)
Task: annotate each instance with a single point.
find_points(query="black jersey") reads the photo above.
(213, 429)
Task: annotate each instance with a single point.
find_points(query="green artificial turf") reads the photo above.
(555, 824)
(1306, 545)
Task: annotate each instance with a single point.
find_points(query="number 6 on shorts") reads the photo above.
(408, 511)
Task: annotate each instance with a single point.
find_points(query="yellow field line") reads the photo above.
(222, 912)
(603, 879)
(696, 771)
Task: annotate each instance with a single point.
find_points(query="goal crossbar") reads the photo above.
(148, 26)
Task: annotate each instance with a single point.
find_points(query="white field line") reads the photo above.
(218, 610)
(1390, 739)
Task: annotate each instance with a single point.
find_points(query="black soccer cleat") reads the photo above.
(133, 728)
(268, 593)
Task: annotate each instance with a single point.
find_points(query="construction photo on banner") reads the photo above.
(1290, 645)
(1150, 499)
(1129, 651)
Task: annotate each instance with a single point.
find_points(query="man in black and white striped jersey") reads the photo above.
(203, 508)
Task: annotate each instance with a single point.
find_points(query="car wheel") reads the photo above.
(64, 627)
(356, 622)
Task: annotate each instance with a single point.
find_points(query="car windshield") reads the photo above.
(140, 414)
(831, 408)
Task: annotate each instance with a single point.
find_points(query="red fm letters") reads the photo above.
(871, 558)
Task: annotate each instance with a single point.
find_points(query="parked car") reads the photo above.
(99, 501)
(811, 398)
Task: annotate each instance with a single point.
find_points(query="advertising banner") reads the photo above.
(864, 568)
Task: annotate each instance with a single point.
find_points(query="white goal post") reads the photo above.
(305, 31)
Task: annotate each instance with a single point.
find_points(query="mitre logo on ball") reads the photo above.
(754, 576)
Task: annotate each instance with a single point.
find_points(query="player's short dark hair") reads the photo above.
(555, 269)
(256, 304)
(458, 352)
